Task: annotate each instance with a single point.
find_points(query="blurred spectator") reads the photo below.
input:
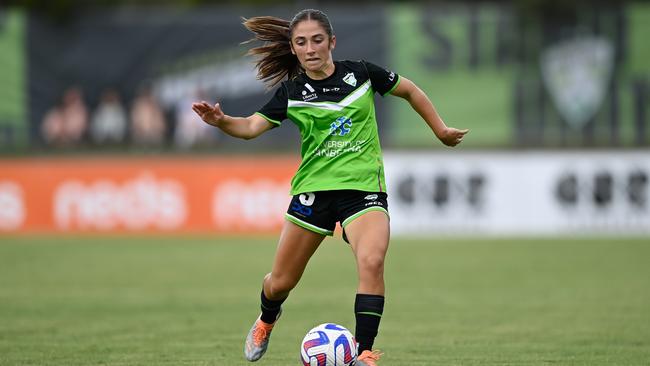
(52, 127)
(66, 124)
(109, 121)
(190, 129)
(147, 120)
(75, 116)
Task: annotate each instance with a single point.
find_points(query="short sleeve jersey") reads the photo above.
(336, 118)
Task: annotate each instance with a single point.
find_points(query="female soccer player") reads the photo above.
(341, 177)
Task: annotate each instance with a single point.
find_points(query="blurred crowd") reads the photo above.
(142, 123)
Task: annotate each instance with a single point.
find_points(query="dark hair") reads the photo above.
(275, 58)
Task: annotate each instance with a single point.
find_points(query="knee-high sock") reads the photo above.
(368, 310)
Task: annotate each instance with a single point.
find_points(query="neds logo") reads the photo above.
(12, 206)
(141, 203)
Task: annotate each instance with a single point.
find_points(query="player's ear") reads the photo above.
(332, 42)
(291, 45)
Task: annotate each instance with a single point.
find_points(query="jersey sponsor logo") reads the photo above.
(372, 197)
(309, 94)
(350, 79)
(326, 90)
(307, 97)
(391, 76)
(341, 126)
(334, 148)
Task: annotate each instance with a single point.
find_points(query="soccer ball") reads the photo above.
(328, 345)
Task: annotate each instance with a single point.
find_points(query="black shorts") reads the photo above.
(320, 211)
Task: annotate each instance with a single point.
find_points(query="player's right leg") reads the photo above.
(295, 248)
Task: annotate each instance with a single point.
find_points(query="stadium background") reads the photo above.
(127, 243)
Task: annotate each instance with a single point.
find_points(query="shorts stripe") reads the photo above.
(375, 208)
(308, 226)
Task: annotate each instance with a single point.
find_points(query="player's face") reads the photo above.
(313, 47)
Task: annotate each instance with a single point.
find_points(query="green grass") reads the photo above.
(190, 301)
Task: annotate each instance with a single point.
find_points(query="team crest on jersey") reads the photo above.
(350, 79)
(341, 126)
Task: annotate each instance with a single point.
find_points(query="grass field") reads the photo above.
(190, 301)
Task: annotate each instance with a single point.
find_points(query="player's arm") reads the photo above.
(241, 127)
(420, 102)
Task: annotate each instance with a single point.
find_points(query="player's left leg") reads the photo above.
(368, 236)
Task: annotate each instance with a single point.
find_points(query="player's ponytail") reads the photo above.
(275, 60)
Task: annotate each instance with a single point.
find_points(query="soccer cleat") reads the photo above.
(257, 340)
(368, 358)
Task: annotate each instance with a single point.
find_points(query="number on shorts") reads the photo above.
(307, 199)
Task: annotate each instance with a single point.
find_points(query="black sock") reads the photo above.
(270, 309)
(367, 310)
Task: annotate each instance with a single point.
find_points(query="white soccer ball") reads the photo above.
(328, 345)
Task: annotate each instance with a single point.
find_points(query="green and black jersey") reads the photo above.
(336, 118)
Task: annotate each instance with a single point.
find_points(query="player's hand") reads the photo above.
(211, 115)
(452, 136)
